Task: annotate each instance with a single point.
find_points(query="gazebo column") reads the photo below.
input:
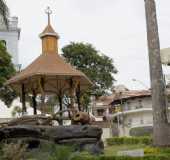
(73, 86)
(42, 85)
(72, 97)
(24, 110)
(34, 102)
(78, 96)
(60, 100)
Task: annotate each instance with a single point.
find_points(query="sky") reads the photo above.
(116, 28)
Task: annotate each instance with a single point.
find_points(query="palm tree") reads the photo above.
(161, 126)
(4, 12)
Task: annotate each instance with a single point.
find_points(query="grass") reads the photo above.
(112, 150)
(52, 152)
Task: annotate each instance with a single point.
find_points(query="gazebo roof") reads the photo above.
(49, 65)
(49, 31)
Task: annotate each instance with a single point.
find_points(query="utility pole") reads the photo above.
(161, 128)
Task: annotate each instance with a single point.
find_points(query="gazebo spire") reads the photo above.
(48, 11)
(49, 36)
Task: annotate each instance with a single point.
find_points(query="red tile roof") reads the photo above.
(106, 100)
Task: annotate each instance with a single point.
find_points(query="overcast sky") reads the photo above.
(115, 27)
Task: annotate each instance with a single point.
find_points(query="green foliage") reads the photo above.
(43, 152)
(50, 151)
(129, 140)
(17, 111)
(142, 131)
(13, 151)
(150, 157)
(61, 153)
(151, 150)
(98, 67)
(4, 12)
(156, 151)
(7, 70)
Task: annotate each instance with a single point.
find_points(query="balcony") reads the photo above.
(132, 111)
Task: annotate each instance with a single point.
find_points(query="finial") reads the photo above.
(48, 11)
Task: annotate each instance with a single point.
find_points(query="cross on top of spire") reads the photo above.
(49, 31)
(48, 11)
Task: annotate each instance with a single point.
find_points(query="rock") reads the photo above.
(81, 136)
(31, 120)
(83, 118)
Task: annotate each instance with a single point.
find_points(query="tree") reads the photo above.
(6, 71)
(161, 127)
(98, 67)
(4, 12)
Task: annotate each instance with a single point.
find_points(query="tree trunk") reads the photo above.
(161, 134)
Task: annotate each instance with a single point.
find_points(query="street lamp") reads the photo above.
(143, 84)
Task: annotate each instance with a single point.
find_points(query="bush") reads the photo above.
(128, 140)
(150, 157)
(13, 151)
(51, 151)
(141, 131)
(61, 153)
(151, 150)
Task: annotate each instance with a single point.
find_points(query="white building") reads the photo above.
(10, 37)
(129, 112)
(132, 113)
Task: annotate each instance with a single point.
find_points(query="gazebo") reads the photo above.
(49, 74)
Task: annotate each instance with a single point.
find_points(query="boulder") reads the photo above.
(80, 136)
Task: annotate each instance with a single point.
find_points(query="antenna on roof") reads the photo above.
(48, 11)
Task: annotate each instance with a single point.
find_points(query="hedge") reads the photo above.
(141, 131)
(128, 140)
(151, 157)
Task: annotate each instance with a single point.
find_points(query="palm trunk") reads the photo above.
(161, 134)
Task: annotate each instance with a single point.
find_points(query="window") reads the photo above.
(140, 104)
(129, 122)
(128, 106)
(168, 100)
(100, 112)
(141, 121)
